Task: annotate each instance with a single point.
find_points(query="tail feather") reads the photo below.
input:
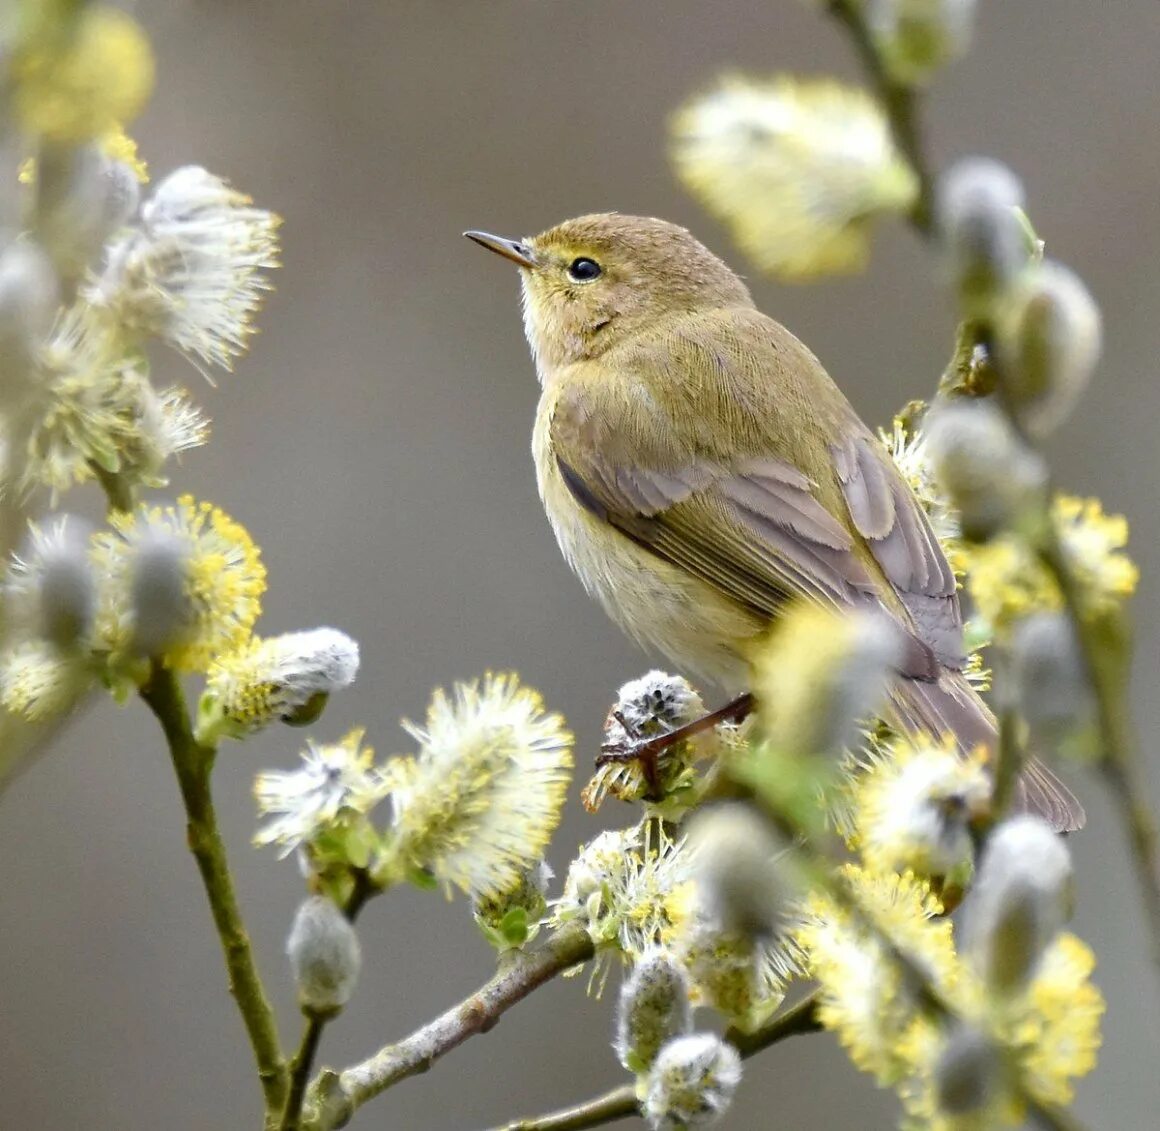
(951, 706)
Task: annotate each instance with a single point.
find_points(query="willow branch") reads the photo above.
(335, 1096)
(613, 1106)
(622, 1102)
(193, 763)
(1102, 649)
(795, 1021)
(900, 103)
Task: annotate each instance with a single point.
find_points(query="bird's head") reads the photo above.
(593, 282)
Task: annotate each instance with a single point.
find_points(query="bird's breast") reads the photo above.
(662, 607)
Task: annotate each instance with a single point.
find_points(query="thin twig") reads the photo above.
(622, 1102)
(795, 1021)
(1009, 761)
(335, 1096)
(1102, 649)
(300, 1066)
(193, 763)
(900, 104)
(611, 1107)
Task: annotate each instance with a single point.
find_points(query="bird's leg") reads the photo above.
(647, 751)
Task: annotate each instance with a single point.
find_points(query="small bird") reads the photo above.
(700, 470)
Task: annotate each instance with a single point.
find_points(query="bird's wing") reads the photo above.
(755, 525)
(887, 515)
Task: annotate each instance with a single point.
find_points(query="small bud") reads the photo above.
(692, 1082)
(968, 1074)
(324, 955)
(984, 236)
(991, 476)
(1019, 901)
(735, 864)
(1049, 339)
(1049, 677)
(159, 596)
(67, 596)
(511, 918)
(916, 37)
(653, 1007)
(29, 299)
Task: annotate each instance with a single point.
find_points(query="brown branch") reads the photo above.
(622, 1103)
(335, 1096)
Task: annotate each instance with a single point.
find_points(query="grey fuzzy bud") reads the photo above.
(859, 681)
(916, 37)
(990, 475)
(735, 865)
(325, 956)
(653, 1007)
(967, 1074)
(1019, 901)
(158, 595)
(1049, 340)
(692, 1082)
(67, 590)
(1049, 676)
(984, 236)
(29, 299)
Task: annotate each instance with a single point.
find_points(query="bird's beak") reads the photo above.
(509, 249)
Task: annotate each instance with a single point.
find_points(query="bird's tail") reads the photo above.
(951, 706)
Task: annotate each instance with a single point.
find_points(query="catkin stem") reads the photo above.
(193, 763)
(900, 104)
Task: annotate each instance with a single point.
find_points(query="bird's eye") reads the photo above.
(584, 270)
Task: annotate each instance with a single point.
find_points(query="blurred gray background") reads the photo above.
(376, 444)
